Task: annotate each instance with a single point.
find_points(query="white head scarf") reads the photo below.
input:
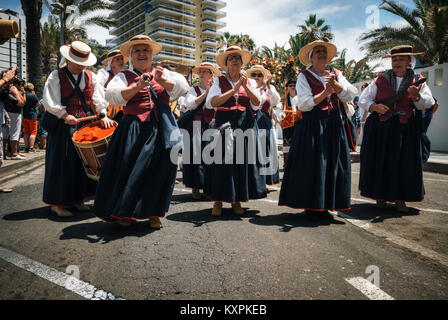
(413, 63)
(109, 68)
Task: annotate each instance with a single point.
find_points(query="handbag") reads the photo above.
(350, 130)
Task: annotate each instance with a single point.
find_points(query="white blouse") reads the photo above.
(189, 102)
(368, 96)
(102, 76)
(306, 97)
(52, 94)
(215, 90)
(119, 82)
(274, 97)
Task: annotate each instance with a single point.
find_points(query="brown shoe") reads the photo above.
(61, 212)
(217, 209)
(155, 223)
(196, 194)
(125, 222)
(5, 190)
(81, 206)
(401, 206)
(237, 208)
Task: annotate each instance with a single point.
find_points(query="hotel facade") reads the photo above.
(186, 29)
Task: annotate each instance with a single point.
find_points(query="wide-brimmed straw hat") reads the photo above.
(304, 53)
(208, 66)
(221, 58)
(258, 68)
(403, 50)
(112, 54)
(140, 39)
(78, 52)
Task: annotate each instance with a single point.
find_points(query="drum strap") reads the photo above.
(77, 89)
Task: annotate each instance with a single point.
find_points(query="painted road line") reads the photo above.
(408, 244)
(64, 280)
(368, 289)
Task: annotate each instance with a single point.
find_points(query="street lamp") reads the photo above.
(58, 8)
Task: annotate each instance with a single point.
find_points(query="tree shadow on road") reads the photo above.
(289, 221)
(371, 212)
(104, 232)
(47, 214)
(200, 217)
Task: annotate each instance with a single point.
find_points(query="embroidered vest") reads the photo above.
(289, 116)
(73, 104)
(111, 76)
(201, 113)
(317, 87)
(232, 103)
(404, 107)
(265, 108)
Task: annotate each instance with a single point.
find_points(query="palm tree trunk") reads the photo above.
(33, 13)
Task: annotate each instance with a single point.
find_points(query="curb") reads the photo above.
(430, 166)
(7, 170)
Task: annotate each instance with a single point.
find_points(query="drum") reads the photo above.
(91, 142)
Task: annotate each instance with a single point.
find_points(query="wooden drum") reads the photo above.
(91, 142)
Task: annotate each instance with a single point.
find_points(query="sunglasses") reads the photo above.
(253, 75)
(230, 58)
(291, 86)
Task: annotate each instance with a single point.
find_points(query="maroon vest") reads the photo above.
(231, 104)
(74, 106)
(111, 76)
(142, 104)
(267, 104)
(203, 114)
(404, 106)
(317, 87)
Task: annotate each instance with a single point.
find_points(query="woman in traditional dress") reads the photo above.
(66, 184)
(137, 179)
(318, 175)
(114, 63)
(289, 117)
(234, 96)
(391, 152)
(193, 172)
(264, 115)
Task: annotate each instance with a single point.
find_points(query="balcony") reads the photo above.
(210, 41)
(126, 5)
(212, 32)
(176, 45)
(174, 56)
(210, 52)
(164, 21)
(171, 33)
(140, 16)
(214, 12)
(185, 3)
(160, 10)
(213, 22)
(130, 10)
(215, 3)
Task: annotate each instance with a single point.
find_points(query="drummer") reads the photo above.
(114, 63)
(66, 184)
(192, 173)
(137, 178)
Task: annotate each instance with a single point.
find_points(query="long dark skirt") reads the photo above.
(193, 173)
(235, 182)
(264, 122)
(65, 178)
(137, 179)
(318, 172)
(391, 160)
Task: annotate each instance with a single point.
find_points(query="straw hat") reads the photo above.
(221, 58)
(140, 39)
(304, 53)
(209, 66)
(112, 54)
(78, 52)
(258, 68)
(404, 50)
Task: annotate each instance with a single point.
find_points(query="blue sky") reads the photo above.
(268, 21)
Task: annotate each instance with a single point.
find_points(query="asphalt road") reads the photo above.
(270, 252)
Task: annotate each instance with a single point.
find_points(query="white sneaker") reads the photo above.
(18, 157)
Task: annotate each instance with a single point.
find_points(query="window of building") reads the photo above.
(438, 77)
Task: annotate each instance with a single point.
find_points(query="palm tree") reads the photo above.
(50, 45)
(296, 43)
(33, 11)
(354, 71)
(223, 40)
(426, 31)
(315, 29)
(90, 13)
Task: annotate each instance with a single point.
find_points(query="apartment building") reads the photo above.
(187, 29)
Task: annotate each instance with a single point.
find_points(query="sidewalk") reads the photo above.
(9, 166)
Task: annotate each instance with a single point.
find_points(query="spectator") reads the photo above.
(30, 110)
(41, 132)
(14, 99)
(6, 77)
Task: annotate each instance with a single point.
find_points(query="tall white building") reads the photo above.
(187, 29)
(13, 51)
